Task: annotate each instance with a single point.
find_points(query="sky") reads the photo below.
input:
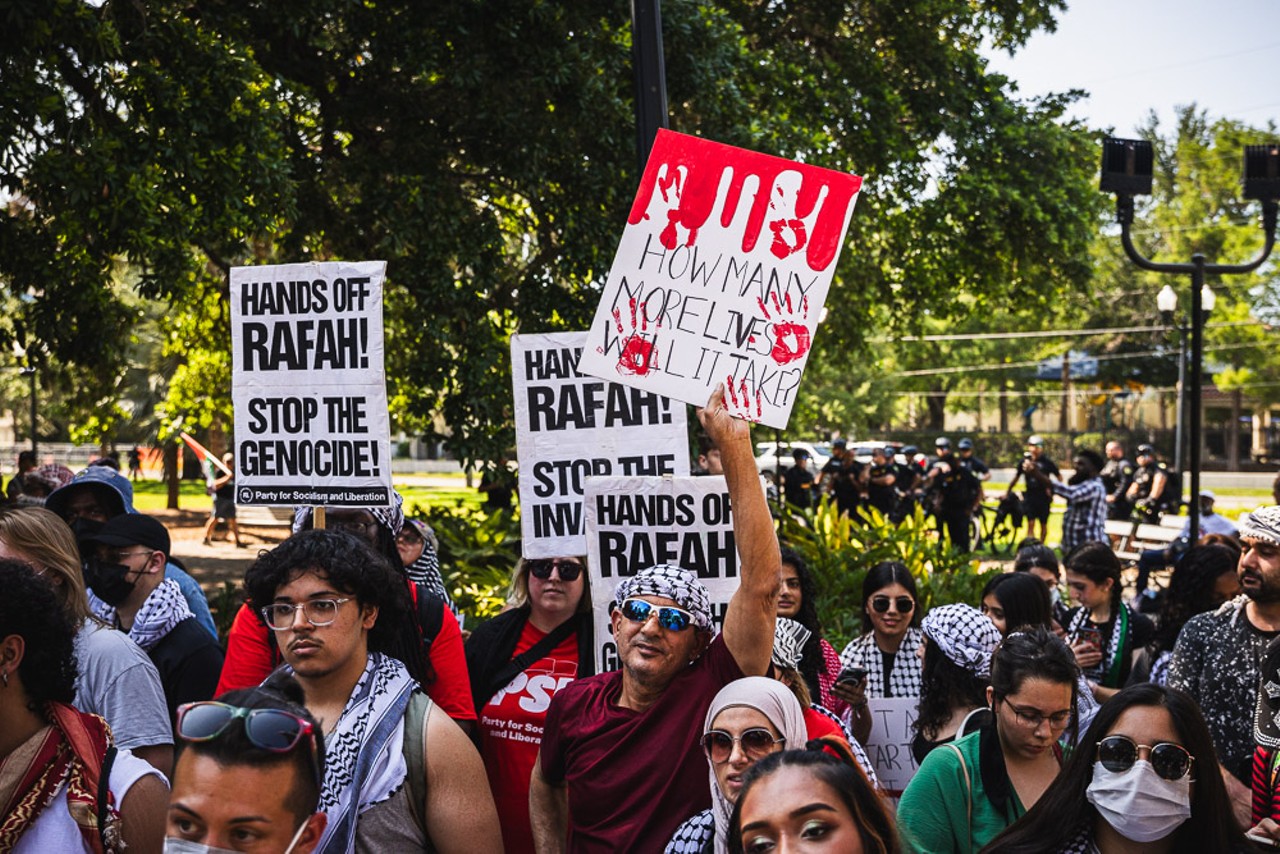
(1135, 56)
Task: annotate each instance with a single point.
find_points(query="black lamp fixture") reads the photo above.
(1127, 169)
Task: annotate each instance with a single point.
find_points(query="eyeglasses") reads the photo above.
(905, 604)
(273, 730)
(569, 569)
(318, 612)
(672, 619)
(1170, 761)
(122, 556)
(408, 538)
(1032, 718)
(756, 742)
(352, 526)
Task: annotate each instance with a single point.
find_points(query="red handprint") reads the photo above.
(638, 355)
(784, 228)
(739, 402)
(791, 339)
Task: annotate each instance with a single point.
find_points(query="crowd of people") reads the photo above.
(344, 711)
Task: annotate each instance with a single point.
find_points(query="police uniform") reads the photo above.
(1116, 477)
(1145, 477)
(1037, 499)
(883, 497)
(958, 488)
(798, 486)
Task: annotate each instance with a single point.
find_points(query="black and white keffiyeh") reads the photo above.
(1117, 644)
(965, 635)
(858, 752)
(1262, 524)
(162, 610)
(694, 836)
(364, 755)
(426, 571)
(789, 639)
(905, 678)
(679, 585)
(1266, 721)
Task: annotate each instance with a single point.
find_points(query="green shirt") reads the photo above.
(946, 809)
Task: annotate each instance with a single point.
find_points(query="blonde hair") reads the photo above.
(46, 542)
(518, 596)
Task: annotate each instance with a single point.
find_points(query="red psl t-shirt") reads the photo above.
(633, 777)
(511, 732)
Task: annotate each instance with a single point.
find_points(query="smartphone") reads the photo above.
(1263, 841)
(852, 674)
(1091, 636)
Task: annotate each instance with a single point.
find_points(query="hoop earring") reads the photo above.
(4, 674)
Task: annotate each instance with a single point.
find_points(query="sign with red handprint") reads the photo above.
(720, 276)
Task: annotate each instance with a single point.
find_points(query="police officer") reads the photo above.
(798, 481)
(956, 488)
(1147, 492)
(881, 478)
(842, 476)
(1117, 474)
(966, 458)
(1038, 498)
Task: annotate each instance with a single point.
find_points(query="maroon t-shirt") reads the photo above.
(633, 777)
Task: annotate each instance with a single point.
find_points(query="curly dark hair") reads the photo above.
(871, 816)
(30, 609)
(351, 566)
(945, 686)
(233, 748)
(1063, 809)
(1190, 591)
(811, 661)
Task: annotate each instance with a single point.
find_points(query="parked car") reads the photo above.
(767, 462)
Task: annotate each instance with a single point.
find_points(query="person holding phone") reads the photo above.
(1105, 634)
(884, 657)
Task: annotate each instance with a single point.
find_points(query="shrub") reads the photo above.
(478, 552)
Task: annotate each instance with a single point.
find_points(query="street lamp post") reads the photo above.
(1127, 169)
(31, 373)
(1167, 302)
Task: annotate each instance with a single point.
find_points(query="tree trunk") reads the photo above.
(1004, 407)
(936, 409)
(1064, 418)
(171, 473)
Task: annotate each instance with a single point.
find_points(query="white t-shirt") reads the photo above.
(118, 681)
(54, 830)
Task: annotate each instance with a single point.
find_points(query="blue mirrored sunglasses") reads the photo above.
(670, 618)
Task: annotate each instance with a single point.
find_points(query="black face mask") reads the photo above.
(110, 582)
(84, 528)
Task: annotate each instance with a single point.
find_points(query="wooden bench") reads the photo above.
(1130, 539)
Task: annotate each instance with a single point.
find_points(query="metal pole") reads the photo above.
(31, 372)
(1178, 458)
(1197, 369)
(651, 75)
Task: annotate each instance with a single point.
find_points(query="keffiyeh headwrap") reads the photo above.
(770, 698)
(964, 635)
(1262, 524)
(672, 582)
(789, 639)
(52, 476)
(391, 518)
(159, 614)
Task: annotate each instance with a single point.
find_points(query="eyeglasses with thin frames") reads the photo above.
(1032, 718)
(318, 612)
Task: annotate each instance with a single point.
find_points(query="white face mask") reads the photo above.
(1139, 803)
(186, 846)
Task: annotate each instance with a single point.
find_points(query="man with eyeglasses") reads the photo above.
(399, 774)
(620, 764)
(248, 774)
(128, 590)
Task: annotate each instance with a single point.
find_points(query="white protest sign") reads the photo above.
(720, 276)
(889, 745)
(636, 522)
(569, 426)
(308, 386)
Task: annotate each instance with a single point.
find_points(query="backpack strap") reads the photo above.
(415, 742)
(430, 610)
(968, 789)
(517, 665)
(104, 794)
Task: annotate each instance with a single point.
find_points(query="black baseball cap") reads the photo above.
(839, 443)
(800, 454)
(133, 529)
(942, 442)
(965, 445)
(1146, 451)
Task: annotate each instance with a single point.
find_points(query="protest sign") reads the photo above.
(889, 744)
(569, 426)
(308, 387)
(720, 276)
(636, 522)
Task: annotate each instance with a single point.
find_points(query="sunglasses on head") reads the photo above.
(1117, 753)
(541, 569)
(881, 604)
(274, 730)
(673, 619)
(756, 742)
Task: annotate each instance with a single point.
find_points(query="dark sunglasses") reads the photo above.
(541, 569)
(673, 619)
(881, 604)
(1117, 753)
(274, 730)
(756, 742)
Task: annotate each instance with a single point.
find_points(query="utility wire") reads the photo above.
(1053, 333)
(1106, 357)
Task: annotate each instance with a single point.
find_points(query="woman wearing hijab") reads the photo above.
(749, 719)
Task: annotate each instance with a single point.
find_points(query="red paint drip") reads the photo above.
(790, 342)
(705, 162)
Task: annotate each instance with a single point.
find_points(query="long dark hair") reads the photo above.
(1097, 562)
(1023, 598)
(1190, 591)
(1033, 554)
(1063, 808)
(881, 576)
(945, 686)
(870, 815)
(811, 661)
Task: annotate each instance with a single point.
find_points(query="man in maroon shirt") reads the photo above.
(620, 764)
